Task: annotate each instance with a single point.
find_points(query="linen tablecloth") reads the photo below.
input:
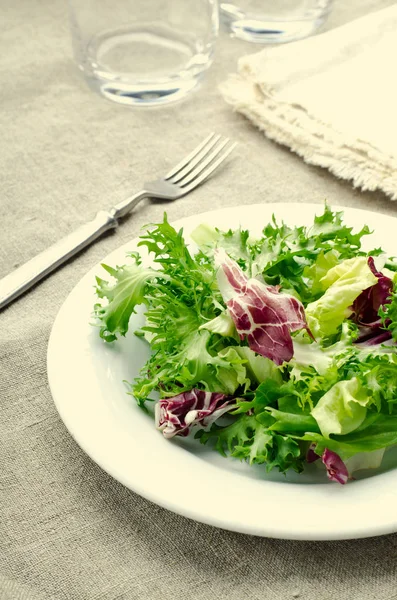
(67, 530)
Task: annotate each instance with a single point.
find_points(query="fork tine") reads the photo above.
(189, 157)
(196, 159)
(207, 172)
(203, 164)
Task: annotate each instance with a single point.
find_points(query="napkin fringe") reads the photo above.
(291, 126)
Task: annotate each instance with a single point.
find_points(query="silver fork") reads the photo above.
(193, 170)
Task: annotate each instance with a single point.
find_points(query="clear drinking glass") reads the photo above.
(143, 52)
(274, 21)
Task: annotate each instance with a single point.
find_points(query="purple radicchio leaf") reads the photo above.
(261, 314)
(311, 455)
(336, 468)
(176, 415)
(366, 307)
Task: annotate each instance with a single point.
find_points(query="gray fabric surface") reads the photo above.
(67, 530)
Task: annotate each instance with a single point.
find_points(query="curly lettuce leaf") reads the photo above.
(183, 358)
(234, 243)
(266, 394)
(182, 298)
(285, 254)
(316, 272)
(222, 324)
(376, 369)
(388, 315)
(235, 374)
(249, 440)
(127, 291)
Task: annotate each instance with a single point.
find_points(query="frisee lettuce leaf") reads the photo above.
(247, 439)
(388, 314)
(127, 292)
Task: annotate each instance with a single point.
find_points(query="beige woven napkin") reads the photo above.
(331, 98)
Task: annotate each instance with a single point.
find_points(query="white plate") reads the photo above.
(86, 379)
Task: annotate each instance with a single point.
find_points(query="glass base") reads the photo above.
(143, 94)
(270, 30)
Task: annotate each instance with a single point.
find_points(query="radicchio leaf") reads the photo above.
(336, 468)
(176, 415)
(366, 308)
(311, 455)
(261, 314)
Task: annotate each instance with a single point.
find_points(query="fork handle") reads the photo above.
(26, 276)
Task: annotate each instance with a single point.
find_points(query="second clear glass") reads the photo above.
(143, 52)
(274, 21)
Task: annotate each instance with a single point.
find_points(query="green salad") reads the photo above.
(278, 350)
